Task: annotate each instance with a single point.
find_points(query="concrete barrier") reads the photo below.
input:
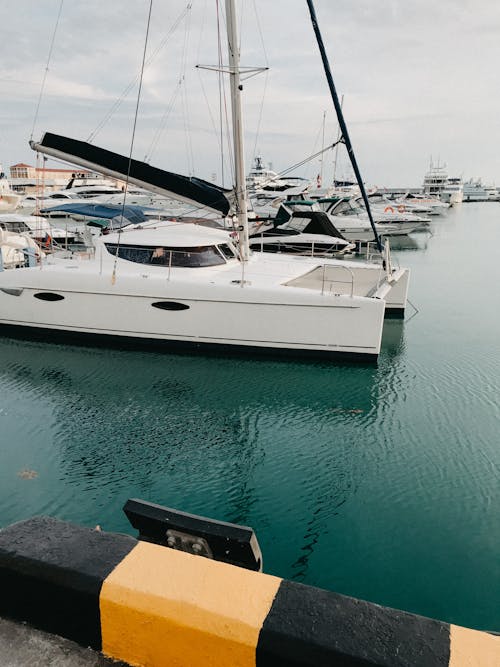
(149, 605)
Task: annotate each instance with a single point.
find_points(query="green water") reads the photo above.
(377, 482)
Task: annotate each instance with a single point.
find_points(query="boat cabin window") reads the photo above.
(16, 226)
(164, 256)
(226, 251)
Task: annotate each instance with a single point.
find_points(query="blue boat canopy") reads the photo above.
(134, 214)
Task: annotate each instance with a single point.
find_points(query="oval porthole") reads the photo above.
(48, 296)
(169, 305)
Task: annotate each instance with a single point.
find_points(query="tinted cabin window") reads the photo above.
(163, 256)
(226, 251)
(15, 226)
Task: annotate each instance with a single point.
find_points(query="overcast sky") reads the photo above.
(419, 79)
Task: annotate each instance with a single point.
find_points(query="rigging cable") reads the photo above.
(261, 111)
(118, 102)
(46, 69)
(217, 133)
(159, 130)
(308, 159)
(316, 141)
(225, 116)
(169, 108)
(220, 80)
(200, 78)
(184, 101)
(113, 276)
(223, 107)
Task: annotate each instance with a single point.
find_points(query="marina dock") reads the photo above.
(131, 596)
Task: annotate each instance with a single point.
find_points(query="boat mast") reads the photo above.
(239, 161)
(340, 116)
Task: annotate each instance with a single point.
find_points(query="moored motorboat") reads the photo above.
(18, 250)
(9, 200)
(37, 227)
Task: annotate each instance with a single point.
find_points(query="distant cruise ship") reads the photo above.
(437, 184)
(476, 191)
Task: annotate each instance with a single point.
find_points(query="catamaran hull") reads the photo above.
(396, 299)
(55, 336)
(351, 328)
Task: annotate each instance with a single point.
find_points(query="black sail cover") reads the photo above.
(185, 188)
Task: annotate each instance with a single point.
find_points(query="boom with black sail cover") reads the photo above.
(185, 188)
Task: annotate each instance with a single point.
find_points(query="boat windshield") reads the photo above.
(346, 208)
(164, 256)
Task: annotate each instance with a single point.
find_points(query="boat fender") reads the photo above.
(401, 208)
(388, 209)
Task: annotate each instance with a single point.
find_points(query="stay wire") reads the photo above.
(219, 81)
(309, 159)
(113, 277)
(46, 69)
(210, 113)
(225, 107)
(266, 80)
(118, 102)
(170, 106)
(261, 112)
(163, 122)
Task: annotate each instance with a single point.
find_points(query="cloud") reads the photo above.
(418, 79)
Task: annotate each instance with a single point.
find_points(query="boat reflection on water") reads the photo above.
(393, 340)
(325, 495)
(409, 242)
(206, 435)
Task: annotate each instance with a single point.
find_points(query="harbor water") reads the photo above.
(377, 481)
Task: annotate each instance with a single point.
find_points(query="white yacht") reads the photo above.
(260, 179)
(435, 180)
(437, 185)
(9, 200)
(36, 227)
(475, 191)
(18, 250)
(84, 193)
(492, 192)
(351, 219)
(453, 191)
(421, 203)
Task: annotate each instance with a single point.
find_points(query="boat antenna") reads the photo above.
(340, 116)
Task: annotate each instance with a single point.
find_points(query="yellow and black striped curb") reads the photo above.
(149, 605)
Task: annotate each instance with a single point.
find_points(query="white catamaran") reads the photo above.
(187, 285)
